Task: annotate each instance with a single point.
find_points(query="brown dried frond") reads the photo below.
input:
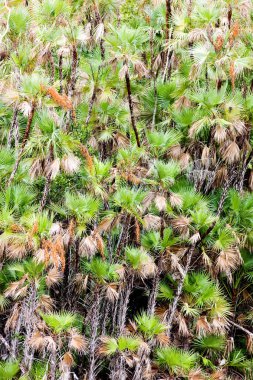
(160, 202)
(37, 341)
(15, 228)
(234, 32)
(15, 287)
(206, 260)
(220, 374)
(77, 341)
(218, 44)
(229, 260)
(182, 102)
(152, 222)
(35, 228)
(232, 153)
(105, 224)
(238, 127)
(50, 343)
(196, 374)
(232, 74)
(88, 246)
(175, 200)
(17, 250)
(149, 268)
(194, 238)
(46, 303)
(162, 339)
(121, 140)
(71, 229)
(161, 311)
(111, 292)
(148, 200)
(137, 231)
(182, 326)
(219, 325)
(131, 327)
(62, 100)
(202, 326)
(103, 345)
(100, 245)
(54, 252)
(12, 321)
(220, 134)
(52, 168)
(221, 176)
(66, 362)
(251, 180)
(250, 343)
(53, 277)
(205, 156)
(181, 225)
(230, 345)
(20, 293)
(81, 282)
(85, 153)
(70, 163)
(130, 177)
(140, 69)
(184, 160)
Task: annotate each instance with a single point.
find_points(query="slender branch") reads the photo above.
(241, 328)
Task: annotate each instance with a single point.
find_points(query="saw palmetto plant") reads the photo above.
(126, 204)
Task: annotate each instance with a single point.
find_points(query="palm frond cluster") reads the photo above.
(126, 204)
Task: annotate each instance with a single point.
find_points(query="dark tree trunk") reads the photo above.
(130, 103)
(72, 84)
(60, 73)
(168, 17)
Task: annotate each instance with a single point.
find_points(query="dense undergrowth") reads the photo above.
(126, 205)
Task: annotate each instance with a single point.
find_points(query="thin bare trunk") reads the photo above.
(155, 107)
(73, 76)
(118, 368)
(120, 310)
(24, 141)
(94, 323)
(60, 73)
(45, 192)
(168, 17)
(131, 108)
(92, 99)
(12, 128)
(52, 68)
(48, 181)
(123, 235)
(53, 360)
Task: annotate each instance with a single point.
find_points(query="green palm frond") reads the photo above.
(62, 322)
(101, 270)
(9, 370)
(176, 361)
(210, 344)
(149, 325)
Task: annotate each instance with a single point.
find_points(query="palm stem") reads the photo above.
(24, 141)
(130, 103)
